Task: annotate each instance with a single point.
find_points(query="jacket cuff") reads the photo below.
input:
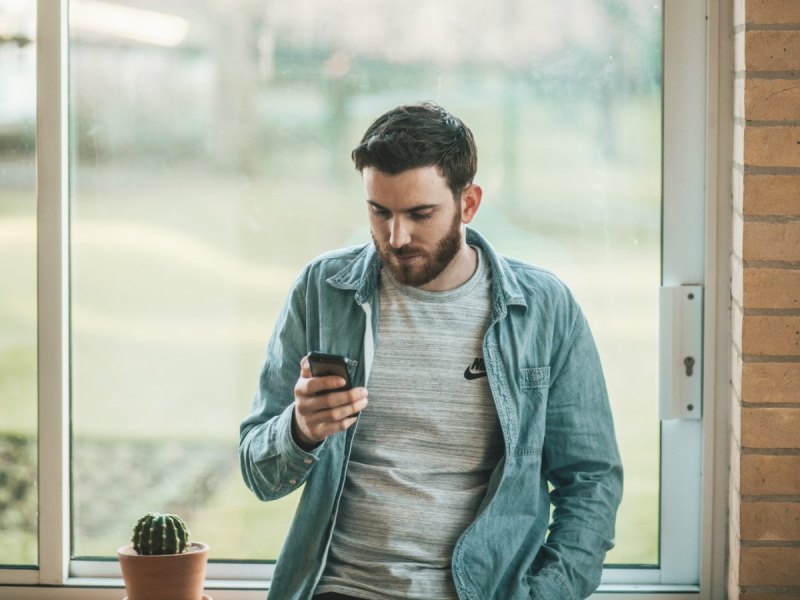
(549, 584)
(298, 461)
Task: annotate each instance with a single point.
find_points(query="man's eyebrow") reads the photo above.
(417, 208)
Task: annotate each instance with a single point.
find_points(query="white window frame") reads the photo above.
(692, 555)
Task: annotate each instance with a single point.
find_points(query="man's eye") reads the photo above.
(380, 213)
(421, 216)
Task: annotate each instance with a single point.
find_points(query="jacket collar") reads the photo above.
(361, 275)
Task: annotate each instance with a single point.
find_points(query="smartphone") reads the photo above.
(330, 364)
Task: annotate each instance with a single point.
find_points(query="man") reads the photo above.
(486, 404)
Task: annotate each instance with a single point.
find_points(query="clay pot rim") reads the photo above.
(204, 597)
(194, 547)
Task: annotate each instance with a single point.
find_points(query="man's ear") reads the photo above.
(470, 202)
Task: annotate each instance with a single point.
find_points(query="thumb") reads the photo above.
(305, 368)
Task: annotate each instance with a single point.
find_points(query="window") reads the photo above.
(209, 160)
(18, 455)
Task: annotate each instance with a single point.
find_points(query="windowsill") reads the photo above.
(113, 589)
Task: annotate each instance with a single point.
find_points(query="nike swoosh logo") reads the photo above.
(471, 373)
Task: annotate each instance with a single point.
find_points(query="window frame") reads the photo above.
(689, 519)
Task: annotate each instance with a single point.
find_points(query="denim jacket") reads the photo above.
(546, 380)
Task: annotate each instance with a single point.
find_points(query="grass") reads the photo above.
(239, 526)
(18, 547)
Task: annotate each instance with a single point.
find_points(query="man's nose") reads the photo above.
(399, 235)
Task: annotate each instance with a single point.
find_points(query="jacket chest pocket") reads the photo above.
(535, 377)
(534, 383)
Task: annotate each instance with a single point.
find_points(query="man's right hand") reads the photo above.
(318, 415)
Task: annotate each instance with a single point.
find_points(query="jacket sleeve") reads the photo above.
(581, 462)
(272, 464)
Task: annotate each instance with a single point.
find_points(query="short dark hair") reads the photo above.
(420, 135)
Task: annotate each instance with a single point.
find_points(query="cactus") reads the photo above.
(155, 533)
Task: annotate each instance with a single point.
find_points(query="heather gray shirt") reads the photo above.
(424, 448)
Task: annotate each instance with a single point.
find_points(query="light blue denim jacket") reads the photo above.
(548, 387)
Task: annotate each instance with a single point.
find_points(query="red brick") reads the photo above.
(771, 288)
(747, 595)
(771, 335)
(772, 146)
(764, 12)
(772, 50)
(770, 475)
(765, 566)
(771, 241)
(771, 194)
(772, 99)
(770, 521)
(771, 428)
(770, 382)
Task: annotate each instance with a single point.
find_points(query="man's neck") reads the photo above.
(458, 272)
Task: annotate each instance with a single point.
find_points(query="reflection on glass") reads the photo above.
(18, 476)
(212, 161)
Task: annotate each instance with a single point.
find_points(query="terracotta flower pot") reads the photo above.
(165, 576)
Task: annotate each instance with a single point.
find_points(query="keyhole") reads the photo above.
(688, 362)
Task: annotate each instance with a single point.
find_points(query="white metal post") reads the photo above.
(53, 289)
(683, 263)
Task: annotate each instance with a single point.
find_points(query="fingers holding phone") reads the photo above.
(325, 402)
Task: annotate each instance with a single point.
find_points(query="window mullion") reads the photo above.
(684, 144)
(53, 288)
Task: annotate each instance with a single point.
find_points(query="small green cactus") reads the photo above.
(155, 533)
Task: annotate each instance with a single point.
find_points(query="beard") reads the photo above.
(432, 264)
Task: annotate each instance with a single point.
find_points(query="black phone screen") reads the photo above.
(322, 365)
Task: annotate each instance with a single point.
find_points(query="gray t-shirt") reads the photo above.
(424, 449)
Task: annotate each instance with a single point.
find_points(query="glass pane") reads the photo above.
(18, 462)
(212, 161)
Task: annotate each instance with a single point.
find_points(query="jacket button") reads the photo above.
(308, 461)
(293, 481)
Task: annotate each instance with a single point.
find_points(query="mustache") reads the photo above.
(402, 251)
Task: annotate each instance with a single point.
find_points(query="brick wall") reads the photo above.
(764, 530)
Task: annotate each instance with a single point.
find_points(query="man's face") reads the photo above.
(415, 223)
